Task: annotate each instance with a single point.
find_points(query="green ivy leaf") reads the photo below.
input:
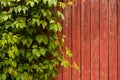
(5, 70)
(44, 24)
(24, 9)
(24, 41)
(55, 27)
(43, 51)
(18, 77)
(64, 63)
(31, 3)
(29, 31)
(24, 76)
(36, 52)
(10, 70)
(68, 52)
(11, 54)
(20, 68)
(30, 77)
(60, 14)
(39, 38)
(30, 58)
(14, 64)
(29, 42)
(54, 74)
(37, 1)
(42, 38)
(2, 76)
(45, 1)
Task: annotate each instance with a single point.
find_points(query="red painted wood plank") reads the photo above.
(76, 38)
(60, 69)
(112, 39)
(67, 33)
(94, 39)
(118, 39)
(85, 39)
(60, 72)
(103, 39)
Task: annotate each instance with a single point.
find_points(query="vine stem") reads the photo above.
(74, 65)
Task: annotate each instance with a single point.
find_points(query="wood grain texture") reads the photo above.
(95, 26)
(60, 73)
(104, 39)
(118, 18)
(60, 69)
(85, 39)
(112, 39)
(76, 38)
(67, 33)
(92, 28)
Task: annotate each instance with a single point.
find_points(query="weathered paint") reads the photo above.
(118, 18)
(95, 34)
(85, 39)
(92, 29)
(112, 39)
(76, 38)
(104, 39)
(67, 32)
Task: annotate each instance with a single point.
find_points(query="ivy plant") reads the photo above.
(28, 40)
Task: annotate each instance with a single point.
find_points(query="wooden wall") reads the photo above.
(92, 28)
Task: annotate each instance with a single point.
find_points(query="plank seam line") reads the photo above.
(99, 39)
(117, 38)
(108, 38)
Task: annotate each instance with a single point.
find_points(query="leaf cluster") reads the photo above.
(28, 39)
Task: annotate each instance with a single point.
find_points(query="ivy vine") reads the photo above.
(28, 39)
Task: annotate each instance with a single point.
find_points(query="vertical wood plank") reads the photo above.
(89, 45)
(103, 39)
(112, 39)
(118, 39)
(67, 33)
(85, 39)
(59, 75)
(60, 69)
(95, 39)
(76, 38)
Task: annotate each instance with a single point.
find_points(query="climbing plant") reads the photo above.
(28, 39)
